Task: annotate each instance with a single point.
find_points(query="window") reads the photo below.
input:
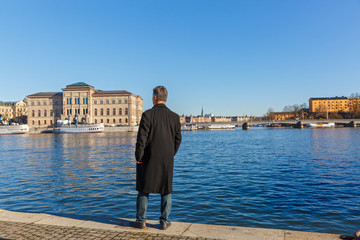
(119, 101)
(126, 120)
(39, 122)
(107, 101)
(114, 120)
(39, 113)
(108, 120)
(114, 111)
(56, 113)
(38, 103)
(101, 101)
(67, 111)
(45, 122)
(102, 121)
(102, 112)
(45, 113)
(120, 120)
(44, 103)
(56, 103)
(33, 113)
(126, 111)
(70, 112)
(95, 113)
(108, 111)
(95, 120)
(70, 100)
(113, 101)
(86, 100)
(120, 111)
(32, 103)
(126, 101)
(95, 102)
(84, 111)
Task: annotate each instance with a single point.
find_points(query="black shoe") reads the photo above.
(164, 225)
(140, 225)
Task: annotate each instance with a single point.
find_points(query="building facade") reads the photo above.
(13, 111)
(335, 104)
(82, 103)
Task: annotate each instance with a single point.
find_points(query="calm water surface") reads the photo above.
(296, 179)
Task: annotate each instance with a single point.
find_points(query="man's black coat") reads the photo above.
(158, 140)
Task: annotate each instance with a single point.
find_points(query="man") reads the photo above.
(158, 140)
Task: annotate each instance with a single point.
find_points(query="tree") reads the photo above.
(270, 114)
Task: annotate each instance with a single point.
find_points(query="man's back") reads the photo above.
(158, 140)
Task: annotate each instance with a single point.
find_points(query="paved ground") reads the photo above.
(18, 226)
(19, 231)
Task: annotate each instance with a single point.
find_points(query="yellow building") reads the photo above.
(335, 104)
(12, 111)
(83, 103)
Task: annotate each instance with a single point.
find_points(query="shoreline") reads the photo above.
(17, 225)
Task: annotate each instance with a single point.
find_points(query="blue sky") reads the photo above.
(229, 57)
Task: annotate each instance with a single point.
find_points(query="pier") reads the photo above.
(18, 225)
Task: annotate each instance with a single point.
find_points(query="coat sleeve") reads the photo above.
(177, 136)
(142, 137)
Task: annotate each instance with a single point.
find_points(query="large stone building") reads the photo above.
(335, 104)
(85, 104)
(13, 111)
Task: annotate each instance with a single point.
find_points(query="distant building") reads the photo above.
(13, 111)
(278, 116)
(83, 103)
(334, 104)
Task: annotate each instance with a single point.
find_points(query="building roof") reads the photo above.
(111, 93)
(44, 94)
(78, 85)
(7, 103)
(329, 98)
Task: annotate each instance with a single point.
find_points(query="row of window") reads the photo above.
(45, 113)
(114, 112)
(108, 101)
(77, 111)
(120, 121)
(77, 100)
(44, 122)
(44, 103)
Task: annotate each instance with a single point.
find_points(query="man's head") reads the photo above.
(159, 95)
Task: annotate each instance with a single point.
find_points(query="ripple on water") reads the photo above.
(288, 179)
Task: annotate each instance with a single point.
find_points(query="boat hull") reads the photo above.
(14, 129)
(93, 128)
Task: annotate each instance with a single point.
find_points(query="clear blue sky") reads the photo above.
(229, 57)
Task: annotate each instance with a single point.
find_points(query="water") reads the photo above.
(296, 179)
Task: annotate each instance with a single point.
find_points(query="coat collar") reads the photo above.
(160, 105)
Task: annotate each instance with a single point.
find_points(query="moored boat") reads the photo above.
(320, 125)
(220, 126)
(190, 127)
(80, 128)
(13, 129)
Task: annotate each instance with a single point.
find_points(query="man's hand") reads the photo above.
(139, 162)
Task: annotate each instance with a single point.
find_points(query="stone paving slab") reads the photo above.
(17, 225)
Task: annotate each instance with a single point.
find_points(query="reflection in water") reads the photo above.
(300, 179)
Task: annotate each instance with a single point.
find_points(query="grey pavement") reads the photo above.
(18, 225)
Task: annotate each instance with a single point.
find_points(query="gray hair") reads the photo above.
(161, 93)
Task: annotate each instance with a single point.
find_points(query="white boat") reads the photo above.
(320, 125)
(220, 126)
(80, 128)
(13, 129)
(190, 127)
